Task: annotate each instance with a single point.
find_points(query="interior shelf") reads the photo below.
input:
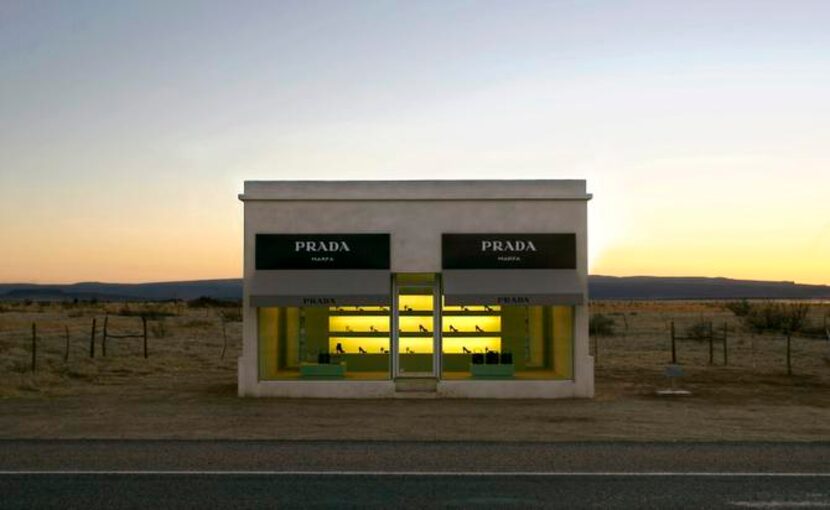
(353, 313)
(459, 313)
(335, 356)
(470, 334)
(359, 334)
(413, 313)
(420, 334)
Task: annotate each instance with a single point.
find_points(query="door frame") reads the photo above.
(436, 330)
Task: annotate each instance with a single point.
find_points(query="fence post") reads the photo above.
(224, 337)
(725, 355)
(66, 351)
(104, 341)
(711, 345)
(144, 325)
(34, 347)
(92, 340)
(789, 364)
(673, 348)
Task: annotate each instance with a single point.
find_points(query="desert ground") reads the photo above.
(186, 389)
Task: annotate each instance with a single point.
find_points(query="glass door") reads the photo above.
(417, 325)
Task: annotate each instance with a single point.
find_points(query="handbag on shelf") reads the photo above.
(491, 358)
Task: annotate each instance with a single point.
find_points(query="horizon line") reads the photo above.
(240, 278)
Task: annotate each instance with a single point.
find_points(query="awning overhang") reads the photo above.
(320, 288)
(514, 287)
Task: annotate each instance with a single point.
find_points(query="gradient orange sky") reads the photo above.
(127, 130)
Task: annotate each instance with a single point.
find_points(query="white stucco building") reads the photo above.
(384, 289)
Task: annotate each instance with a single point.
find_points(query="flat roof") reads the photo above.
(525, 189)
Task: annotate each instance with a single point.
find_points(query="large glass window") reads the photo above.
(342, 342)
(507, 342)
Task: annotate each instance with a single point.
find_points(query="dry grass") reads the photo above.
(184, 389)
(184, 347)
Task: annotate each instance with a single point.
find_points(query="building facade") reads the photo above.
(378, 289)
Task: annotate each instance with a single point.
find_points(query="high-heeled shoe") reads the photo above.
(422, 329)
(361, 350)
(453, 329)
(478, 329)
(465, 350)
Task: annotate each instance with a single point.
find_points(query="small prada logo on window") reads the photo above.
(321, 246)
(510, 245)
(513, 300)
(319, 301)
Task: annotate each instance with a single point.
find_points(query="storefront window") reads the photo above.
(342, 342)
(507, 342)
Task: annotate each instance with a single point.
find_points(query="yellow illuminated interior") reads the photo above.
(414, 303)
(472, 308)
(414, 324)
(455, 326)
(358, 324)
(563, 341)
(456, 345)
(416, 345)
(471, 324)
(347, 323)
(268, 328)
(352, 345)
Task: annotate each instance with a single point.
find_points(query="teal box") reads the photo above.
(492, 371)
(326, 371)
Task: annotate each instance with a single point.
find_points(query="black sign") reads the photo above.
(508, 251)
(322, 251)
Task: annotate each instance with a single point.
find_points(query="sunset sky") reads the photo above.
(127, 128)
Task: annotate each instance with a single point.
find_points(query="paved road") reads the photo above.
(256, 474)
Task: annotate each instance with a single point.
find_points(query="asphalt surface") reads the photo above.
(263, 474)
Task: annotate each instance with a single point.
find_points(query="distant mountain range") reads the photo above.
(662, 287)
(218, 289)
(601, 288)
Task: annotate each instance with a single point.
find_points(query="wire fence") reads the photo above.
(70, 340)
